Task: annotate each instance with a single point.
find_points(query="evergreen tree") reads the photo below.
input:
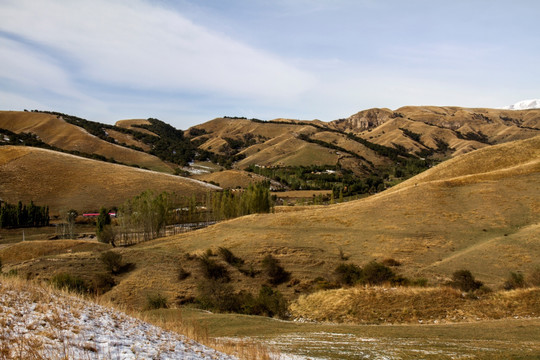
(103, 221)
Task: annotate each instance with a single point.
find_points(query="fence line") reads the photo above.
(136, 237)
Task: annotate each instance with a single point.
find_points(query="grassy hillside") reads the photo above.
(479, 217)
(283, 143)
(65, 181)
(53, 130)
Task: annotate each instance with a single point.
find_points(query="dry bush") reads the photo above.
(275, 272)
(113, 261)
(228, 256)
(69, 282)
(211, 269)
(465, 281)
(156, 301)
(514, 281)
(348, 274)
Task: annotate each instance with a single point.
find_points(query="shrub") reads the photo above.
(375, 273)
(69, 282)
(102, 282)
(229, 257)
(270, 303)
(112, 261)
(275, 272)
(465, 281)
(217, 295)
(348, 274)
(514, 281)
(156, 301)
(212, 270)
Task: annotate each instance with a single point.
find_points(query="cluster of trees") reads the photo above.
(229, 204)
(15, 216)
(146, 215)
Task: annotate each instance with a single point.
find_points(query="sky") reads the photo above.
(189, 61)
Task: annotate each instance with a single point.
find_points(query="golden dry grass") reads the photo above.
(65, 181)
(55, 131)
(482, 221)
(28, 250)
(378, 305)
(230, 179)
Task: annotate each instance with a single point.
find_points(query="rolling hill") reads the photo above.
(374, 142)
(420, 128)
(64, 181)
(478, 211)
(55, 131)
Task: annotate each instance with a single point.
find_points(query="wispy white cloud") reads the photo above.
(139, 45)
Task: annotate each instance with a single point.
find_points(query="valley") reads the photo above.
(415, 195)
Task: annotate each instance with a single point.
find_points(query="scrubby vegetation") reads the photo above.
(515, 280)
(69, 282)
(211, 269)
(275, 273)
(228, 256)
(112, 261)
(465, 281)
(156, 301)
(218, 296)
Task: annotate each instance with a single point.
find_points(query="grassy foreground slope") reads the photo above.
(54, 131)
(64, 181)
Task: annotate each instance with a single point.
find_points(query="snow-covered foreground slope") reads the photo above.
(36, 323)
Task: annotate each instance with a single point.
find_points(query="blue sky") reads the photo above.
(186, 62)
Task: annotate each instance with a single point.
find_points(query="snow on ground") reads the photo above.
(36, 323)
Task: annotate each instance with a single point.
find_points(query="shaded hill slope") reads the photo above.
(64, 181)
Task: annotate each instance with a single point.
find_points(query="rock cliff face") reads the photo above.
(363, 120)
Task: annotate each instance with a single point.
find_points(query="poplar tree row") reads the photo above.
(15, 216)
(146, 216)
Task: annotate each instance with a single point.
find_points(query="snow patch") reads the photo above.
(524, 105)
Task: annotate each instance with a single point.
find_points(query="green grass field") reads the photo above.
(497, 339)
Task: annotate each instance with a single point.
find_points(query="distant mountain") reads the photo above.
(524, 105)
